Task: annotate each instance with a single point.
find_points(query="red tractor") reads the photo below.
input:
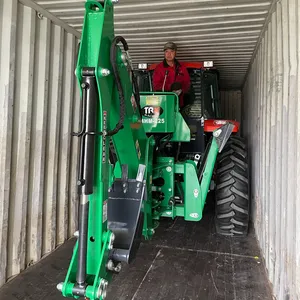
(201, 111)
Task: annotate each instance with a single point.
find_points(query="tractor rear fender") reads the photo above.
(212, 125)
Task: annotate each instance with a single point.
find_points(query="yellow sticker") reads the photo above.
(138, 149)
(153, 100)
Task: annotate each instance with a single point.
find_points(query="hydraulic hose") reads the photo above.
(113, 61)
(136, 92)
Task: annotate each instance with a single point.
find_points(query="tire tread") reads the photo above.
(232, 201)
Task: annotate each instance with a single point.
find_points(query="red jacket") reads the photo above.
(177, 73)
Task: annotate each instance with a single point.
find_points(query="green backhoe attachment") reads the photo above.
(123, 200)
(103, 73)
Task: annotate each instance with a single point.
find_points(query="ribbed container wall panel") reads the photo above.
(38, 157)
(231, 101)
(271, 122)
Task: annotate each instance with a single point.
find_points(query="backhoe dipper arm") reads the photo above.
(109, 111)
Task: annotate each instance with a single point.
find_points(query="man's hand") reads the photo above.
(176, 88)
(178, 92)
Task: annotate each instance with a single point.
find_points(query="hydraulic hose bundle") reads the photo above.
(113, 61)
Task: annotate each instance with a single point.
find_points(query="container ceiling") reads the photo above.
(225, 31)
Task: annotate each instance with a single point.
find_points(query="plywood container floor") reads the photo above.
(184, 261)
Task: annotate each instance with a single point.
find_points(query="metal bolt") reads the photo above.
(105, 72)
(102, 290)
(110, 265)
(118, 268)
(40, 16)
(123, 57)
(169, 169)
(196, 192)
(217, 133)
(76, 233)
(115, 1)
(111, 241)
(60, 286)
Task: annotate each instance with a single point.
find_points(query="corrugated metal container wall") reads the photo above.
(38, 158)
(231, 104)
(272, 125)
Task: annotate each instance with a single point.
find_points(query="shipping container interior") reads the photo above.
(253, 43)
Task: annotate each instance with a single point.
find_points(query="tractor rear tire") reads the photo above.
(232, 194)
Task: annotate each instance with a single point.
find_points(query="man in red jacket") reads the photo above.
(170, 75)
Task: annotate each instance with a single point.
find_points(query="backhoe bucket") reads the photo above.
(125, 218)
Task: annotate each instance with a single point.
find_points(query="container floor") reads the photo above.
(184, 261)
